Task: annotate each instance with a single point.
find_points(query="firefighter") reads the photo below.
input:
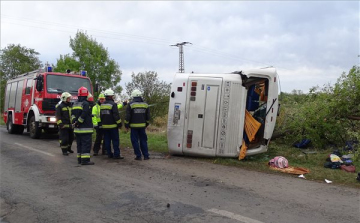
(110, 120)
(98, 126)
(63, 117)
(137, 119)
(81, 117)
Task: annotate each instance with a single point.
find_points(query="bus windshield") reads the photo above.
(58, 84)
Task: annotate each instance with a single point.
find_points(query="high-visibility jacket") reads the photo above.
(120, 106)
(109, 115)
(81, 114)
(63, 114)
(137, 113)
(96, 115)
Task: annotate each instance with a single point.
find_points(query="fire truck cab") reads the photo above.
(207, 112)
(30, 99)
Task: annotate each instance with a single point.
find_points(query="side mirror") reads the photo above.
(97, 87)
(39, 83)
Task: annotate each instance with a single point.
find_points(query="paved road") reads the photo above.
(38, 184)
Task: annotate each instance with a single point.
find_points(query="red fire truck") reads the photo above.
(30, 99)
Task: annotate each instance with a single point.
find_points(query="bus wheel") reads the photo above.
(10, 125)
(35, 131)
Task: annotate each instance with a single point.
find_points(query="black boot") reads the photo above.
(64, 152)
(70, 150)
(79, 160)
(88, 163)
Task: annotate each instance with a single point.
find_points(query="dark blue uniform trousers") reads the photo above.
(112, 135)
(139, 134)
(83, 141)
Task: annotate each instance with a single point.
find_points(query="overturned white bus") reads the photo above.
(207, 113)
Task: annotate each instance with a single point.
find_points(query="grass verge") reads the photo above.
(314, 161)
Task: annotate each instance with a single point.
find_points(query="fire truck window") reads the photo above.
(12, 95)
(58, 84)
(8, 87)
(29, 84)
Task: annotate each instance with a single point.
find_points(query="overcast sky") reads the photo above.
(310, 43)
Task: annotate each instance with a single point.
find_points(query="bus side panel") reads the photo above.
(176, 114)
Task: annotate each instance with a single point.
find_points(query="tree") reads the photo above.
(328, 115)
(16, 60)
(154, 91)
(91, 56)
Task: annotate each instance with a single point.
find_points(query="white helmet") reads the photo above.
(136, 93)
(109, 92)
(65, 96)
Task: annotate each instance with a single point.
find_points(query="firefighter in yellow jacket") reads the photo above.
(98, 126)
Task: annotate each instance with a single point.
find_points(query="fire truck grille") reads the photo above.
(49, 104)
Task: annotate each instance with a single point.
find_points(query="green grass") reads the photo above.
(156, 141)
(2, 121)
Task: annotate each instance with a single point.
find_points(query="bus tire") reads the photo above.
(35, 131)
(10, 125)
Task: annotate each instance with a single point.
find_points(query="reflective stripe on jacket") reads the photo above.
(137, 113)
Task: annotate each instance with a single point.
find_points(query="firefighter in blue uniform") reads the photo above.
(110, 120)
(81, 117)
(63, 117)
(137, 119)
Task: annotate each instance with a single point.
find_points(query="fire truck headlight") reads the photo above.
(52, 119)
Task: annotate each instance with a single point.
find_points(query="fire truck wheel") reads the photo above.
(10, 125)
(35, 131)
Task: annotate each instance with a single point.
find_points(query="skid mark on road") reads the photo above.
(234, 216)
(32, 149)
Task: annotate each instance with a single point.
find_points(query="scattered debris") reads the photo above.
(168, 205)
(302, 176)
(328, 181)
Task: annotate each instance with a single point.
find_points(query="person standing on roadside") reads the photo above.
(111, 122)
(98, 126)
(63, 117)
(137, 119)
(81, 117)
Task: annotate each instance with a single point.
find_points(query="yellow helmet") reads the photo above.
(101, 96)
(65, 96)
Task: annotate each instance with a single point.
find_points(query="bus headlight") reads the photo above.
(52, 119)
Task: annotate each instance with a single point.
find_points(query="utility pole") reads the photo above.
(181, 55)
